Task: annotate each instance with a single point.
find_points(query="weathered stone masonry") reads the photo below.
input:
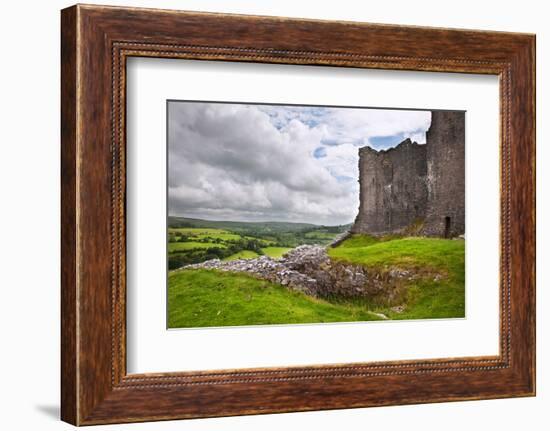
(414, 184)
(445, 142)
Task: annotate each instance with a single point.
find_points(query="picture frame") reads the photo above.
(96, 41)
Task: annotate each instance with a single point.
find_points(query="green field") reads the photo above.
(191, 245)
(193, 241)
(275, 252)
(440, 296)
(199, 298)
(419, 252)
(322, 235)
(199, 233)
(238, 226)
(244, 254)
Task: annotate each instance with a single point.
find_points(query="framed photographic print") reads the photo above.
(267, 215)
(261, 207)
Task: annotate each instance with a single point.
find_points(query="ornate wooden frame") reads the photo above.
(95, 43)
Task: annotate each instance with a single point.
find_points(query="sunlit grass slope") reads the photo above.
(439, 294)
(201, 298)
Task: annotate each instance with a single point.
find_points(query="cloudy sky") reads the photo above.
(275, 163)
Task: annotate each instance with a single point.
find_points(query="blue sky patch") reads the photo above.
(385, 142)
(320, 152)
(344, 178)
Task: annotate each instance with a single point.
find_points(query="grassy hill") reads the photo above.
(238, 226)
(244, 254)
(193, 240)
(202, 298)
(439, 294)
(199, 298)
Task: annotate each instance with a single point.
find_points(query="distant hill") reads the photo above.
(239, 226)
(192, 240)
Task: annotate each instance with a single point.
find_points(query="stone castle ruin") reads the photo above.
(414, 187)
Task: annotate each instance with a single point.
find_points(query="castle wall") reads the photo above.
(415, 183)
(446, 174)
(393, 192)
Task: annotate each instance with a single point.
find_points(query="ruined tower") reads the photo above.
(393, 193)
(445, 142)
(414, 184)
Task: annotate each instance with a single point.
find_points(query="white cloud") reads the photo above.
(256, 162)
(366, 123)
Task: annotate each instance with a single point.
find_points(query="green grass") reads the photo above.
(244, 254)
(185, 222)
(202, 298)
(275, 252)
(194, 230)
(190, 245)
(356, 241)
(201, 233)
(279, 234)
(431, 253)
(427, 297)
(320, 235)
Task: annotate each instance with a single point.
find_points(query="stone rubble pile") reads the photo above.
(309, 269)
